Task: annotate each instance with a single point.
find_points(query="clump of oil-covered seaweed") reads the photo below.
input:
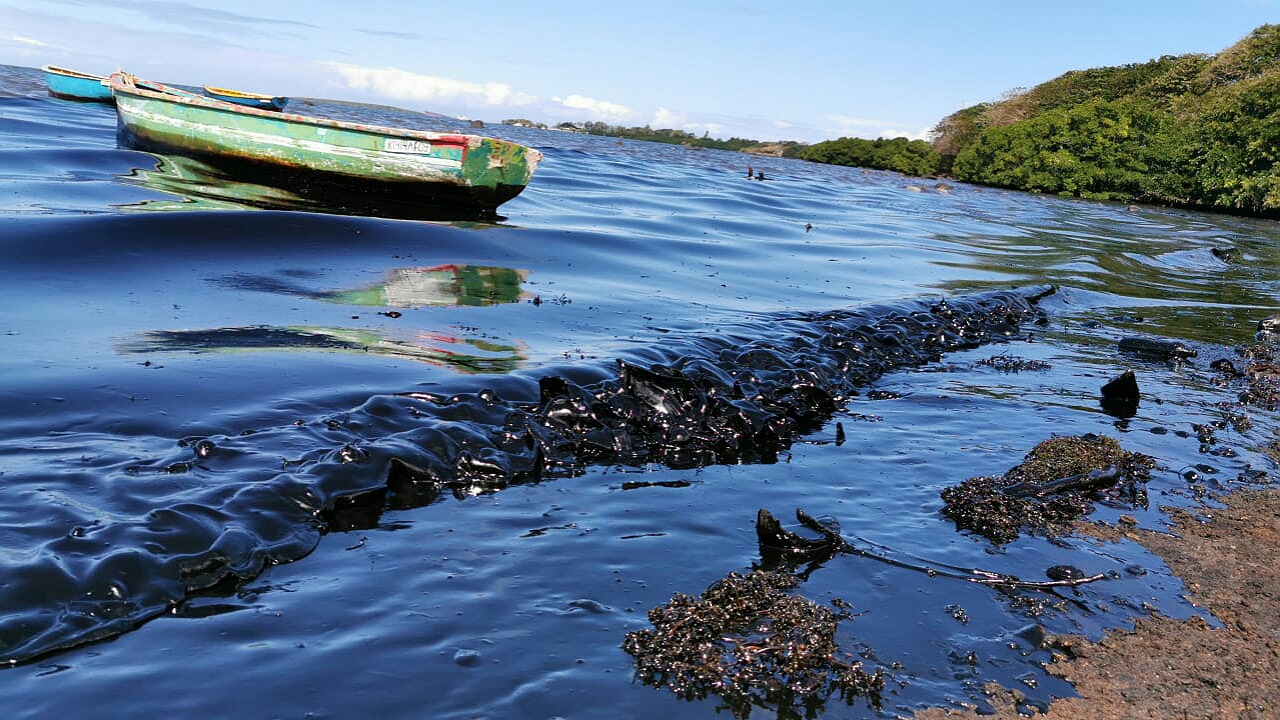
(1262, 375)
(1055, 484)
(1013, 364)
(1255, 373)
(749, 641)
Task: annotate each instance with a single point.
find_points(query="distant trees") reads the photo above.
(912, 157)
(1191, 130)
(957, 131)
(667, 135)
(1196, 130)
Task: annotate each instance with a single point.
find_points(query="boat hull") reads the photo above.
(362, 168)
(71, 85)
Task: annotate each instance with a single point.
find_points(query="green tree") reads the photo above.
(910, 157)
(1229, 153)
(1190, 130)
(1100, 149)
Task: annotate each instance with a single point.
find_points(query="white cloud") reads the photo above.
(665, 118)
(23, 40)
(672, 120)
(845, 125)
(854, 121)
(404, 85)
(599, 109)
(921, 134)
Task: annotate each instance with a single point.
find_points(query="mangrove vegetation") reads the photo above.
(910, 157)
(1198, 130)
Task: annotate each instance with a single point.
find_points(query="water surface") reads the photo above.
(187, 382)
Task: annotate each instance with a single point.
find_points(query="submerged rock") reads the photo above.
(1013, 363)
(467, 657)
(1064, 572)
(1226, 254)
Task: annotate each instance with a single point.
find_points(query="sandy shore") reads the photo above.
(1184, 669)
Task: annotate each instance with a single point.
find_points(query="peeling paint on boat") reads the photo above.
(166, 119)
(317, 154)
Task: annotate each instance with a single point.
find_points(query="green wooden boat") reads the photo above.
(350, 167)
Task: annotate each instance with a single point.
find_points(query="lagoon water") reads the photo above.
(186, 380)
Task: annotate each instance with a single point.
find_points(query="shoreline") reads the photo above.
(1166, 668)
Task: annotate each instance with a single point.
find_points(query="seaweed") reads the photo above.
(1013, 364)
(1056, 483)
(754, 644)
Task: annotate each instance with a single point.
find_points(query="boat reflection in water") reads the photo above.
(471, 285)
(197, 185)
(410, 287)
(469, 355)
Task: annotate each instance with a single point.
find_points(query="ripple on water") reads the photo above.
(192, 391)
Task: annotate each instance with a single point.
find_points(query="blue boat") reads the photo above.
(73, 85)
(254, 100)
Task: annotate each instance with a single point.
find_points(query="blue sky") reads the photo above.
(768, 70)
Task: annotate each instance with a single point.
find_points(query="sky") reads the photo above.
(806, 70)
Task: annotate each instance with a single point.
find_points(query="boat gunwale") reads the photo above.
(170, 94)
(67, 72)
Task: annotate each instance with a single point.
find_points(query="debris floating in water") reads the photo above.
(780, 547)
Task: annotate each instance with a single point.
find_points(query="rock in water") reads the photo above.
(1120, 396)
(1155, 348)
(1124, 386)
(1064, 572)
